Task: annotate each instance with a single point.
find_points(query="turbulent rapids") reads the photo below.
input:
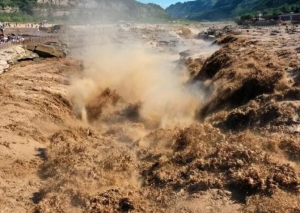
(124, 124)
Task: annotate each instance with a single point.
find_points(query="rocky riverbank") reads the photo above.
(12, 55)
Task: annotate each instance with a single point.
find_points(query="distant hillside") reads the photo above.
(180, 10)
(81, 10)
(224, 9)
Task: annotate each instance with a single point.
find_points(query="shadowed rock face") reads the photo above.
(44, 50)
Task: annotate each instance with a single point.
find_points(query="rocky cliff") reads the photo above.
(80, 10)
(94, 10)
(120, 9)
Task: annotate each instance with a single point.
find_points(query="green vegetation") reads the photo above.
(272, 11)
(25, 10)
(25, 6)
(286, 8)
(15, 17)
(228, 9)
(247, 16)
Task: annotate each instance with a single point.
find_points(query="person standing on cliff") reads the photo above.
(1, 28)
